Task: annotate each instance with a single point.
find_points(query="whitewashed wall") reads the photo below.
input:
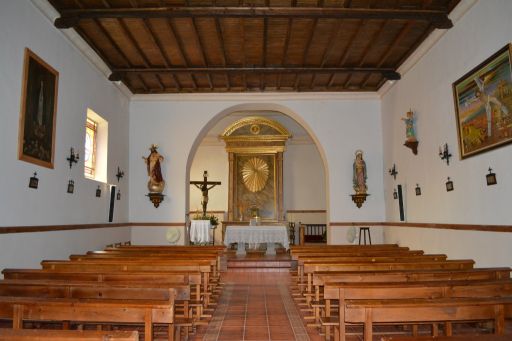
(80, 86)
(339, 126)
(427, 89)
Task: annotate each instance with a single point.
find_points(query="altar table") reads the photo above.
(200, 231)
(257, 235)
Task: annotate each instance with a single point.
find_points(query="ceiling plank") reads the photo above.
(285, 50)
(71, 17)
(220, 37)
(202, 51)
(181, 48)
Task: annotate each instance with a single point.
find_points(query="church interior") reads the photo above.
(255, 170)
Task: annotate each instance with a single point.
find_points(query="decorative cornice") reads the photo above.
(51, 228)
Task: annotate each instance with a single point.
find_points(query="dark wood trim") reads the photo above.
(462, 227)
(143, 224)
(72, 17)
(207, 212)
(119, 73)
(51, 228)
(306, 211)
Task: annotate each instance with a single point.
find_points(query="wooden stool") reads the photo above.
(363, 230)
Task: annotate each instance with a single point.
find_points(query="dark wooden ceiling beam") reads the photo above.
(285, 50)
(386, 72)
(201, 50)
(220, 37)
(71, 17)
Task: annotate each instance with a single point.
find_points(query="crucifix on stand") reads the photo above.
(205, 186)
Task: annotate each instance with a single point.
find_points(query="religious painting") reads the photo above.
(36, 142)
(483, 105)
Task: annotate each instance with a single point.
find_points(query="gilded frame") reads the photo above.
(483, 105)
(36, 137)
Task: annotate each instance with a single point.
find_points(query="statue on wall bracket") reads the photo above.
(156, 183)
(359, 179)
(410, 132)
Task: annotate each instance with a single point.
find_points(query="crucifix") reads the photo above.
(205, 186)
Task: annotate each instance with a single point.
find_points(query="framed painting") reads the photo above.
(483, 105)
(36, 141)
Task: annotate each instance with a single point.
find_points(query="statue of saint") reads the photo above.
(409, 127)
(359, 178)
(156, 182)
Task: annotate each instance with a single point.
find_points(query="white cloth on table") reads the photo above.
(256, 234)
(200, 231)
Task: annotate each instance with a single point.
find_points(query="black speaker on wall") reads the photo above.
(112, 201)
(401, 202)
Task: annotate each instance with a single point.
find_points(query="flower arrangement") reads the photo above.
(212, 218)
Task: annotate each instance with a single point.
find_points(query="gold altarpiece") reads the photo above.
(255, 146)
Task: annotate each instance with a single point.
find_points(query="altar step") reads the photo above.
(260, 263)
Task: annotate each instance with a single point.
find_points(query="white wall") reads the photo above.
(80, 86)
(27, 250)
(340, 126)
(427, 89)
(303, 178)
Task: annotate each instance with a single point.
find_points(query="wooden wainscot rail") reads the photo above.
(66, 335)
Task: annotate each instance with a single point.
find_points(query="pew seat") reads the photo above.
(66, 335)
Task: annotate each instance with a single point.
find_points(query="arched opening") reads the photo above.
(306, 173)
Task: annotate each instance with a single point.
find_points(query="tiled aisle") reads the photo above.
(256, 306)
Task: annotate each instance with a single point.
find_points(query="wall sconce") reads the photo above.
(118, 196)
(73, 157)
(417, 189)
(395, 194)
(444, 154)
(393, 172)
(449, 185)
(98, 191)
(71, 186)
(491, 178)
(119, 174)
(34, 181)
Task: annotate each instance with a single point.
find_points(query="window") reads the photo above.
(96, 147)
(91, 129)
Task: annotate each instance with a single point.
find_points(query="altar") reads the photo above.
(200, 231)
(254, 235)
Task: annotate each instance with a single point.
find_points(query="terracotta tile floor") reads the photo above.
(256, 306)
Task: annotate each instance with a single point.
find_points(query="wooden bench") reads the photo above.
(351, 292)
(346, 253)
(146, 312)
(369, 312)
(310, 268)
(66, 335)
(481, 337)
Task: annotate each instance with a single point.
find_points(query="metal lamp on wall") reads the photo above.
(491, 178)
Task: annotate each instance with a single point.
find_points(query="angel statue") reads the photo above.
(156, 182)
(359, 178)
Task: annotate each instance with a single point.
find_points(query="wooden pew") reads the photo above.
(348, 247)
(310, 268)
(347, 253)
(66, 335)
(146, 312)
(481, 337)
(369, 312)
(351, 292)
(193, 279)
(320, 278)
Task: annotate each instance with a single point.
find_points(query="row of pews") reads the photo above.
(338, 286)
(162, 290)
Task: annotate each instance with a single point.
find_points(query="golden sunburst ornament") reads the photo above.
(255, 173)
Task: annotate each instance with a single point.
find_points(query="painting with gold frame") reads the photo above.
(36, 141)
(483, 105)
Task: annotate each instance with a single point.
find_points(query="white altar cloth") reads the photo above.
(200, 231)
(256, 235)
